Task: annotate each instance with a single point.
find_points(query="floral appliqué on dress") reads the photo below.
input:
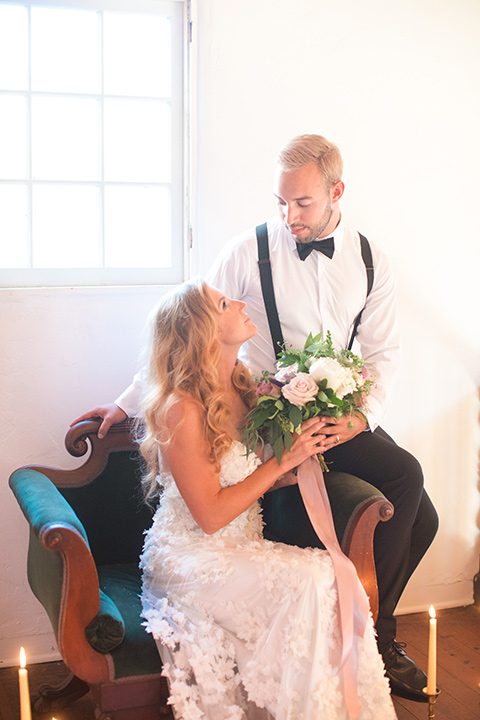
(247, 628)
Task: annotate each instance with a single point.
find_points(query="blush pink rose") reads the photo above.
(361, 400)
(301, 389)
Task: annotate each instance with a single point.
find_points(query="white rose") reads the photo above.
(339, 379)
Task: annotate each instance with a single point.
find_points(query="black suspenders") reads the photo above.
(269, 294)
(267, 288)
(367, 259)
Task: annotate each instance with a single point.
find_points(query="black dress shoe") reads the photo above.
(405, 677)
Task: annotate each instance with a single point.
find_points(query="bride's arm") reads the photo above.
(289, 478)
(284, 481)
(187, 455)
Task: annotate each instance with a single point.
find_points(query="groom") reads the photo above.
(322, 280)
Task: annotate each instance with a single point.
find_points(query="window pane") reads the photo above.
(66, 226)
(65, 138)
(142, 65)
(65, 50)
(91, 141)
(13, 137)
(13, 226)
(13, 47)
(137, 227)
(137, 141)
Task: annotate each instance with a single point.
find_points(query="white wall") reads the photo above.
(395, 84)
(62, 352)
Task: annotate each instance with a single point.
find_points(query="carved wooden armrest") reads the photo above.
(61, 571)
(81, 438)
(358, 542)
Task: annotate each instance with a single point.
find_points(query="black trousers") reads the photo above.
(400, 543)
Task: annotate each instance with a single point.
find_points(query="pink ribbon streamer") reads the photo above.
(353, 602)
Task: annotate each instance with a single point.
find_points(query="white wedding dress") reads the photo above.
(247, 628)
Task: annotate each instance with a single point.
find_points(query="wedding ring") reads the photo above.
(338, 439)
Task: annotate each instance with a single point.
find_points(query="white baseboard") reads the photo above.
(39, 649)
(451, 595)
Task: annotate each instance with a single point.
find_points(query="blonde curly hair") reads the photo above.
(184, 359)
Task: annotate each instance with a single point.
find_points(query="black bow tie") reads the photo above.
(326, 247)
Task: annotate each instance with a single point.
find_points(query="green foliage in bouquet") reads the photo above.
(317, 380)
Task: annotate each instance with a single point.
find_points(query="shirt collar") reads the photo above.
(338, 235)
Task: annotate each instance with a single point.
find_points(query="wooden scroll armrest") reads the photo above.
(61, 571)
(79, 603)
(358, 542)
(82, 441)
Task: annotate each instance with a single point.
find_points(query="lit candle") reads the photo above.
(25, 709)
(432, 654)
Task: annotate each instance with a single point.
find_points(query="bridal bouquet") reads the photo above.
(317, 380)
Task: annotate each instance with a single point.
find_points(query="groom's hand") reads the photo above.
(341, 430)
(110, 414)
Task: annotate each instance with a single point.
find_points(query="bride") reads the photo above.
(246, 628)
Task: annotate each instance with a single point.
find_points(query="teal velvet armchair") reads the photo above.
(86, 534)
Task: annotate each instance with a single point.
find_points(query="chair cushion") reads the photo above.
(137, 654)
(107, 629)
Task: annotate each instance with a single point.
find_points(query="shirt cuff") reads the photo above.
(129, 400)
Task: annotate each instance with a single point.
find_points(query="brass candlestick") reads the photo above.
(432, 699)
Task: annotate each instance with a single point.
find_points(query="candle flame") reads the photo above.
(431, 611)
(23, 657)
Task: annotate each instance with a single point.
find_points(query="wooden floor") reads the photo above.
(458, 671)
(458, 674)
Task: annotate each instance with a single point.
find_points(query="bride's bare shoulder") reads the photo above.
(184, 410)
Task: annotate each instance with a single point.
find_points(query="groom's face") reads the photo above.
(308, 208)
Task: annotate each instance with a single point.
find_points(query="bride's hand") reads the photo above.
(304, 445)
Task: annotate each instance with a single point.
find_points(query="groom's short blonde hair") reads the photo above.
(305, 149)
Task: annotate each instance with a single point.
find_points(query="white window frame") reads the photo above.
(179, 12)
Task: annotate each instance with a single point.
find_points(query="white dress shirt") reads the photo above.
(315, 295)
